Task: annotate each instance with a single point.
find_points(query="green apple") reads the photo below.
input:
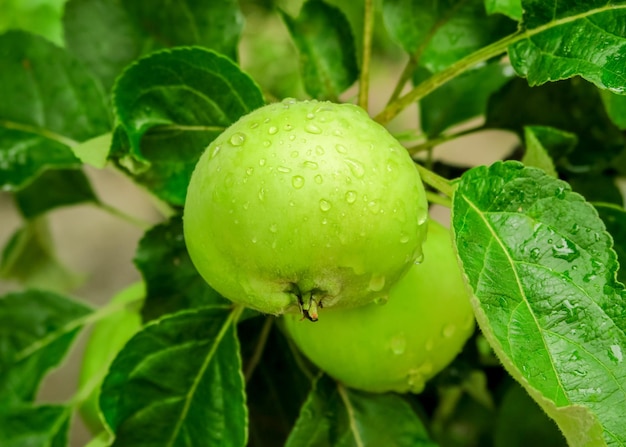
(304, 205)
(107, 338)
(399, 345)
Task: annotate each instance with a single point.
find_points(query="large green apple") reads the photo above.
(304, 205)
(397, 346)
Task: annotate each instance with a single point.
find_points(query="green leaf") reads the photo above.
(572, 106)
(276, 387)
(543, 143)
(36, 329)
(327, 52)
(172, 281)
(521, 422)
(171, 105)
(462, 98)
(511, 8)
(440, 33)
(615, 107)
(52, 189)
(29, 257)
(566, 39)
(50, 103)
(614, 217)
(539, 262)
(43, 425)
(337, 416)
(178, 382)
(39, 17)
(133, 28)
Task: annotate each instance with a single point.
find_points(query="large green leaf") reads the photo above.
(171, 105)
(337, 416)
(50, 103)
(326, 45)
(439, 33)
(36, 330)
(572, 38)
(43, 425)
(133, 28)
(542, 271)
(172, 281)
(178, 382)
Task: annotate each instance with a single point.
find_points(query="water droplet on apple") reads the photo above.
(310, 164)
(273, 130)
(262, 194)
(312, 129)
(398, 344)
(262, 162)
(215, 151)
(237, 139)
(404, 238)
(341, 149)
(318, 179)
(274, 228)
(325, 205)
(294, 154)
(319, 150)
(283, 169)
(449, 330)
(416, 381)
(356, 167)
(297, 181)
(377, 283)
(250, 171)
(351, 197)
(310, 116)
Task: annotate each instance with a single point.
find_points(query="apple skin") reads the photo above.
(302, 201)
(399, 345)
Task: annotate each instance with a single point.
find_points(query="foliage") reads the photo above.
(143, 87)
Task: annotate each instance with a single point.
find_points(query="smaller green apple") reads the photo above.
(107, 338)
(400, 345)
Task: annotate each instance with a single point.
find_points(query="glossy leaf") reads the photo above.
(544, 143)
(29, 258)
(462, 98)
(133, 28)
(172, 281)
(567, 39)
(337, 416)
(327, 52)
(171, 105)
(50, 103)
(540, 264)
(511, 8)
(178, 382)
(43, 425)
(572, 106)
(439, 33)
(52, 189)
(614, 217)
(36, 330)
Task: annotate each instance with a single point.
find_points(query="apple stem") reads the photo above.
(308, 308)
